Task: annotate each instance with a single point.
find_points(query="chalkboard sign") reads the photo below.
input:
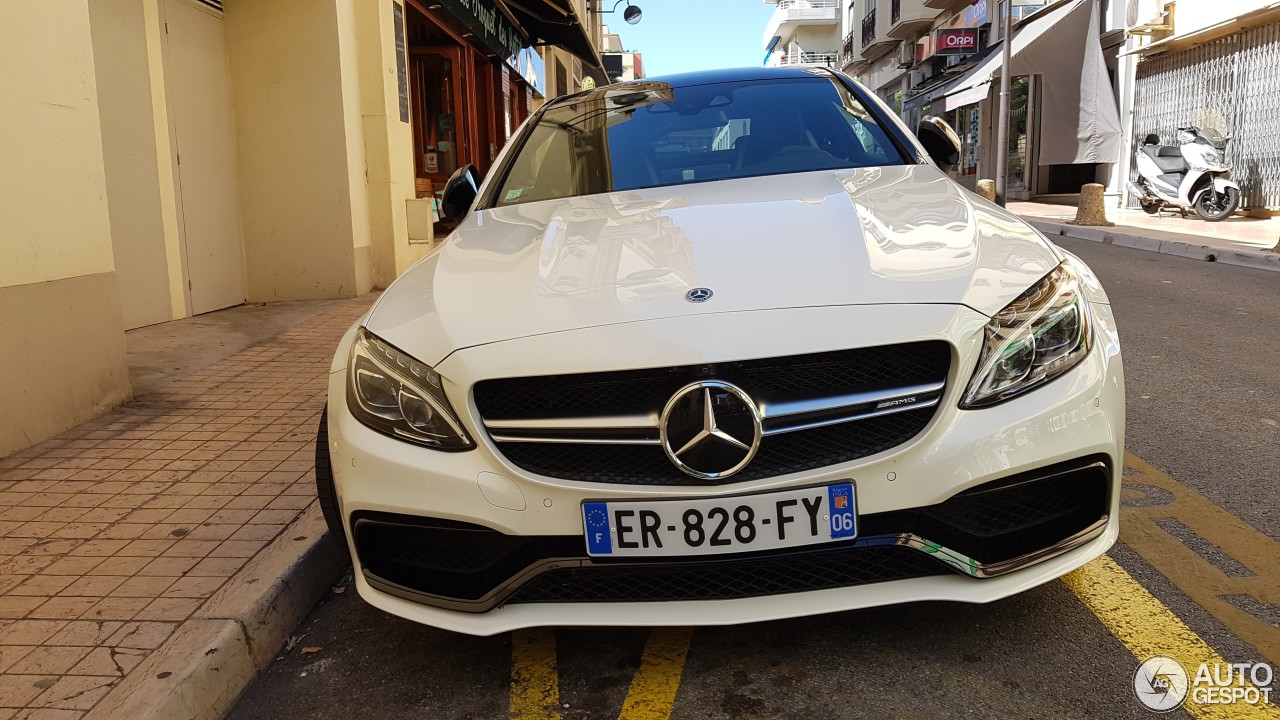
(402, 71)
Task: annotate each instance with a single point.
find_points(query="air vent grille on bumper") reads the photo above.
(1004, 524)
(859, 402)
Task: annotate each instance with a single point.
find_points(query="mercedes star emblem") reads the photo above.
(698, 295)
(710, 429)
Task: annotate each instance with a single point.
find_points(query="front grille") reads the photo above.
(474, 568)
(726, 579)
(770, 381)
(778, 455)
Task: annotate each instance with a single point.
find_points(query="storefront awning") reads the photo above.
(554, 22)
(1079, 122)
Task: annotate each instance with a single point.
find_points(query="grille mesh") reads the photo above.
(725, 579)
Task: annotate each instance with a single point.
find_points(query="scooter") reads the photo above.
(1190, 175)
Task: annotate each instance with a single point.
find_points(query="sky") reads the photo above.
(685, 35)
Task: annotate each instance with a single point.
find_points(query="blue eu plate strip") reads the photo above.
(844, 519)
(596, 518)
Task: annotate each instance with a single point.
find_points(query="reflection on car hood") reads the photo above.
(837, 237)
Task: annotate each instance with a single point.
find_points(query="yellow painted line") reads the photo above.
(653, 689)
(535, 685)
(1148, 628)
(1202, 581)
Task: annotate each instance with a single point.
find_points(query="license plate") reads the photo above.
(711, 526)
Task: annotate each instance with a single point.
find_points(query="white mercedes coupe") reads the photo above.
(720, 348)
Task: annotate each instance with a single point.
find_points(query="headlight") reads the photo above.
(397, 395)
(1039, 336)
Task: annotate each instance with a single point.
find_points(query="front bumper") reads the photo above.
(1071, 426)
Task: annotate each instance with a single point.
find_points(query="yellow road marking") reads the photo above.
(1147, 628)
(1202, 581)
(535, 686)
(653, 689)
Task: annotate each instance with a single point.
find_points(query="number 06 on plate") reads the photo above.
(710, 526)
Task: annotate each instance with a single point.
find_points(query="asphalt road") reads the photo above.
(1202, 348)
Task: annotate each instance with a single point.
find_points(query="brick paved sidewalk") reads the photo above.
(115, 532)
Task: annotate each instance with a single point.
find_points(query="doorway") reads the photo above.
(201, 126)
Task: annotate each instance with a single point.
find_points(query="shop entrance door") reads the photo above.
(199, 90)
(442, 134)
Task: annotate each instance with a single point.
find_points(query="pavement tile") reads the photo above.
(29, 632)
(11, 654)
(63, 608)
(105, 661)
(217, 567)
(13, 607)
(88, 633)
(100, 548)
(76, 692)
(142, 635)
(115, 608)
(119, 566)
(46, 585)
(19, 690)
(144, 586)
(169, 609)
(145, 548)
(92, 586)
(168, 566)
(50, 660)
(72, 566)
(194, 587)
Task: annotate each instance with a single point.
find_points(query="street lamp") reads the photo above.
(631, 14)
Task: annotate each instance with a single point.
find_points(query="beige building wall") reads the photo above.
(388, 145)
(64, 360)
(127, 117)
(305, 209)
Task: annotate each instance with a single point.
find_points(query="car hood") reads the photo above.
(861, 236)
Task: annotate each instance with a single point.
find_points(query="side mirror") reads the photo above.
(940, 141)
(459, 192)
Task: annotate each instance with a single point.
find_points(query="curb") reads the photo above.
(201, 670)
(1256, 259)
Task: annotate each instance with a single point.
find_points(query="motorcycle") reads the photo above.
(1192, 174)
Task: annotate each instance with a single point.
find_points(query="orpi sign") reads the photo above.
(957, 41)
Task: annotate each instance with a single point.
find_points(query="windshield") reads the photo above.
(649, 134)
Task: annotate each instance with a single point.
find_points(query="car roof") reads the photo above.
(708, 77)
(702, 77)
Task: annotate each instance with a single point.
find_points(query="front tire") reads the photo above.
(326, 491)
(1215, 209)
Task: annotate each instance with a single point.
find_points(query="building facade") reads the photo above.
(802, 32)
(1212, 65)
(939, 57)
(166, 158)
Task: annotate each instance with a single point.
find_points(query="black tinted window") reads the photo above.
(649, 134)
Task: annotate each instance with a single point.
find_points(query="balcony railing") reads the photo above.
(895, 11)
(827, 59)
(868, 28)
(807, 4)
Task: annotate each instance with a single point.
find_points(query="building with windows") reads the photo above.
(802, 32)
(942, 57)
(165, 158)
(620, 65)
